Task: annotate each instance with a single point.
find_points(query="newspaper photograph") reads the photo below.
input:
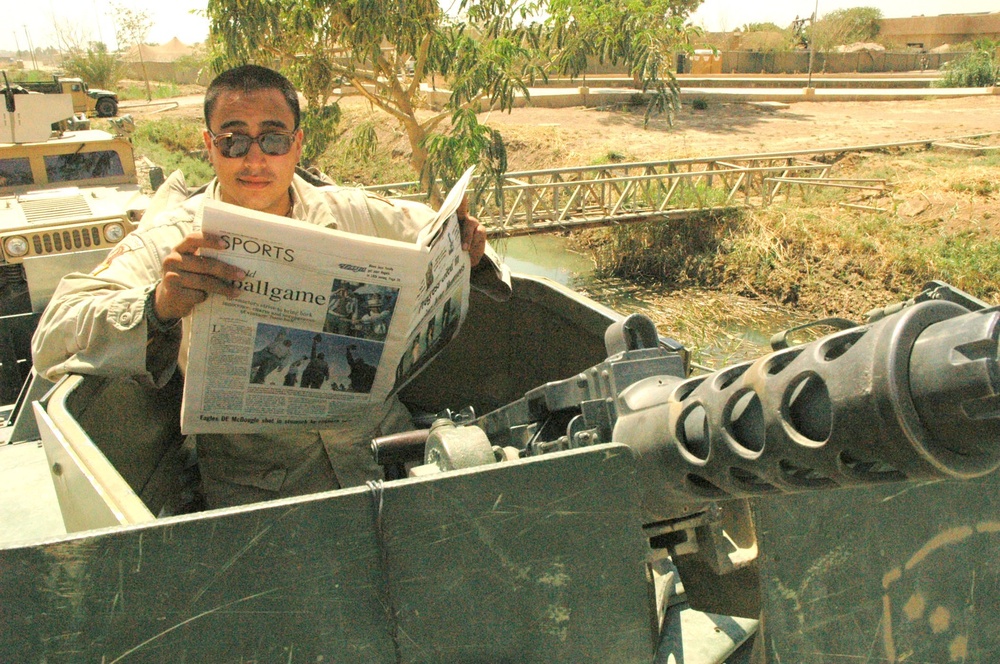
(326, 324)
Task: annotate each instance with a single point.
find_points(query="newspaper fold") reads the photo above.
(328, 322)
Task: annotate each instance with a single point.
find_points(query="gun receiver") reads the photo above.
(913, 395)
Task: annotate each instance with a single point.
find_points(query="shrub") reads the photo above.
(174, 143)
(98, 67)
(977, 69)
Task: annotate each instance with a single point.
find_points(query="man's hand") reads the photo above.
(188, 278)
(473, 233)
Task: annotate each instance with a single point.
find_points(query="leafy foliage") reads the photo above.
(319, 122)
(846, 26)
(486, 56)
(174, 143)
(131, 28)
(176, 134)
(98, 67)
(980, 68)
(644, 34)
(761, 27)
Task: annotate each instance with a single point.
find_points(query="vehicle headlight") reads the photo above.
(114, 232)
(15, 246)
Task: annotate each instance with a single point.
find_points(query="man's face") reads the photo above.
(256, 180)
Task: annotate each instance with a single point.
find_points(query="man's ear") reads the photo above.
(299, 140)
(207, 137)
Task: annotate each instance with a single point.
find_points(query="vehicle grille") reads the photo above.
(12, 275)
(55, 242)
(42, 210)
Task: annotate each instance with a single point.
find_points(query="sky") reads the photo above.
(35, 22)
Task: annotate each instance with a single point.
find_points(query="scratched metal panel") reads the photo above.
(274, 584)
(523, 561)
(527, 566)
(898, 573)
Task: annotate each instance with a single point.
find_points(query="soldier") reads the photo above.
(128, 318)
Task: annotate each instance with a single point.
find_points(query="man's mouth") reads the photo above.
(253, 182)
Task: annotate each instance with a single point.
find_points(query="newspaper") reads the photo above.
(328, 322)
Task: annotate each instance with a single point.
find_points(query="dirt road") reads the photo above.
(547, 138)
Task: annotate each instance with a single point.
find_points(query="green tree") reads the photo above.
(384, 49)
(96, 65)
(980, 68)
(131, 28)
(485, 56)
(644, 35)
(766, 26)
(846, 26)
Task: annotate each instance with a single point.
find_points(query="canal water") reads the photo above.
(546, 255)
(720, 328)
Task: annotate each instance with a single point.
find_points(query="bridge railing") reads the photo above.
(540, 200)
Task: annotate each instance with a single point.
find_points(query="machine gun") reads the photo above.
(914, 394)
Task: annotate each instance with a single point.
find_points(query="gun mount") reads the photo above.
(913, 395)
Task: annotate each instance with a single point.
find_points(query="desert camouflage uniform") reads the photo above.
(95, 324)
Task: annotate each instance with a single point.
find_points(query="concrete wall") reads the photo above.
(797, 62)
(865, 62)
(170, 72)
(934, 31)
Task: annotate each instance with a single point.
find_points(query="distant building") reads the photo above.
(173, 61)
(929, 32)
(171, 51)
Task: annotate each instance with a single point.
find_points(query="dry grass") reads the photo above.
(939, 221)
(719, 328)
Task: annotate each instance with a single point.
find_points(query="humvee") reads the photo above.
(66, 198)
(86, 100)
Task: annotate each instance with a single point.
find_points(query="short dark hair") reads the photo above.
(251, 78)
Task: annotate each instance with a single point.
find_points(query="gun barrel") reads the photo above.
(915, 395)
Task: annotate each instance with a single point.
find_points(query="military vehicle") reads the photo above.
(553, 527)
(66, 199)
(87, 100)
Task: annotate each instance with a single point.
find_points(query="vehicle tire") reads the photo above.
(107, 107)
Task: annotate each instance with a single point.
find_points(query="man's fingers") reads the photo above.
(195, 281)
(473, 238)
(195, 240)
(189, 278)
(186, 257)
(193, 263)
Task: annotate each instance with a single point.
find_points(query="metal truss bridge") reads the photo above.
(568, 198)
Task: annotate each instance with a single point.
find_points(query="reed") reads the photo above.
(938, 221)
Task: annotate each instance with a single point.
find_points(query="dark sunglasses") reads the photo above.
(234, 146)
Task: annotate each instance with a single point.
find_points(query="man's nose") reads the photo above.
(255, 154)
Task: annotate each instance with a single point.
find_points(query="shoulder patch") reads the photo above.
(130, 242)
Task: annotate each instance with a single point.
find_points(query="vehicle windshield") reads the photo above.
(83, 166)
(15, 171)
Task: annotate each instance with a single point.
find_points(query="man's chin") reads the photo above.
(262, 199)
